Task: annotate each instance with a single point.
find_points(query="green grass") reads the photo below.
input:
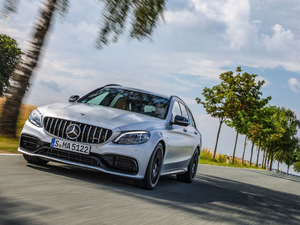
(221, 160)
(239, 165)
(8, 144)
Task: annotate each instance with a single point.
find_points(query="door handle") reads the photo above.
(185, 130)
(195, 133)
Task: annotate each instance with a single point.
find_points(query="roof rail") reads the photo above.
(177, 97)
(112, 85)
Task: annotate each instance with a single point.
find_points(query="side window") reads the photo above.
(176, 109)
(183, 111)
(192, 122)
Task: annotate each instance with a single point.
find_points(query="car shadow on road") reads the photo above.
(208, 198)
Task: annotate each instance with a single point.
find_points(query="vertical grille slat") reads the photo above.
(82, 135)
(105, 135)
(88, 133)
(99, 138)
(51, 125)
(55, 126)
(94, 135)
(59, 128)
(48, 119)
(63, 131)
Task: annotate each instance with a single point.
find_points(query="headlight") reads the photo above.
(132, 138)
(36, 118)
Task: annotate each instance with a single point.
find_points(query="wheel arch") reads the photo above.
(164, 146)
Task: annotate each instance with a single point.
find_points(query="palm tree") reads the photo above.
(143, 15)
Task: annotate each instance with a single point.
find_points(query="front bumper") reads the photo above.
(123, 160)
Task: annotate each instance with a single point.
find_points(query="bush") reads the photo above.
(222, 158)
(206, 154)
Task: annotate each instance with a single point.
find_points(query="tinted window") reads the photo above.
(129, 100)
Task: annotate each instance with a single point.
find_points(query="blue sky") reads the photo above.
(198, 40)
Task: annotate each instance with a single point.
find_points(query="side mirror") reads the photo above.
(74, 98)
(181, 120)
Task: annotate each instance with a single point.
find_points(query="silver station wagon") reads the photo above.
(117, 130)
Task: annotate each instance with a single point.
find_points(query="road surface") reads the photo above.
(59, 194)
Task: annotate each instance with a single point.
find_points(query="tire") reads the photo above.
(189, 176)
(35, 160)
(153, 169)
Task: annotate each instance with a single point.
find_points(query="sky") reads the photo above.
(196, 42)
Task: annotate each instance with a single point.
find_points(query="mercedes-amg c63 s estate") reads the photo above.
(116, 130)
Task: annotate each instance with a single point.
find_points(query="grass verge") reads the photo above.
(8, 144)
(221, 160)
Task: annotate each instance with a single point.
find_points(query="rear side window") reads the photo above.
(176, 109)
(183, 111)
(191, 118)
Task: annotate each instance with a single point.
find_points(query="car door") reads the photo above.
(177, 151)
(192, 134)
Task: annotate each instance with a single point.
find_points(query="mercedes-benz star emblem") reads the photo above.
(73, 131)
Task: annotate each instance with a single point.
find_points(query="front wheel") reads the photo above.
(153, 170)
(189, 176)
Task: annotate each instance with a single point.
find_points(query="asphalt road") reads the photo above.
(59, 194)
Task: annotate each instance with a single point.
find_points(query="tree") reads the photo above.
(139, 16)
(288, 144)
(246, 101)
(266, 128)
(274, 129)
(217, 102)
(233, 100)
(10, 54)
(297, 160)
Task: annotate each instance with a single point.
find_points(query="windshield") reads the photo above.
(129, 100)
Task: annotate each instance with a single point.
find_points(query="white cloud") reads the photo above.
(209, 69)
(294, 84)
(240, 31)
(184, 17)
(282, 41)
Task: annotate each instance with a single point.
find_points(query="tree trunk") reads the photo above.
(288, 168)
(251, 153)
(23, 72)
(278, 167)
(217, 139)
(263, 159)
(236, 138)
(245, 143)
(257, 157)
(271, 162)
(267, 164)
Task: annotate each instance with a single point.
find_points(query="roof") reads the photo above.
(139, 90)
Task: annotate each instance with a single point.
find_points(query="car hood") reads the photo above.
(101, 116)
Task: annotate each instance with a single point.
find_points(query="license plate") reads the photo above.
(70, 146)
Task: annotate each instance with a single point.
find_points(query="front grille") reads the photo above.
(88, 133)
(70, 156)
(121, 163)
(114, 163)
(30, 143)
